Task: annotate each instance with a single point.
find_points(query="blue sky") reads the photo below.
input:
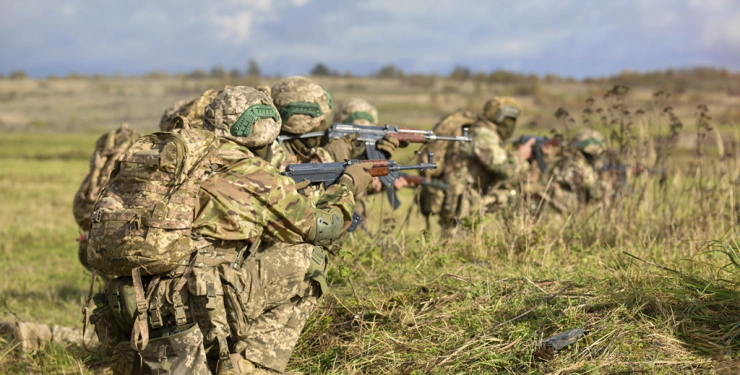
(568, 37)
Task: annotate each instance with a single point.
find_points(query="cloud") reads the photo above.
(570, 37)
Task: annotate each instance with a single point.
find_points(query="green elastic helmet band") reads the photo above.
(589, 142)
(358, 115)
(300, 108)
(328, 98)
(243, 126)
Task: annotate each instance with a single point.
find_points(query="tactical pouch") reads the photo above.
(181, 352)
(107, 329)
(431, 200)
(244, 299)
(207, 308)
(121, 298)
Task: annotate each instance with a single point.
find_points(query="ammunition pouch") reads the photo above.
(180, 352)
(167, 307)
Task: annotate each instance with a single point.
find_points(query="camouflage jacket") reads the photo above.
(574, 181)
(249, 199)
(484, 162)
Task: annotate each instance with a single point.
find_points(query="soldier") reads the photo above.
(476, 172)
(358, 111)
(249, 305)
(572, 176)
(304, 107)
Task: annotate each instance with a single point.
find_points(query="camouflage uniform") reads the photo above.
(572, 176)
(304, 107)
(358, 112)
(239, 307)
(477, 172)
(284, 279)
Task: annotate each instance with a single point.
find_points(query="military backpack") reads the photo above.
(107, 150)
(145, 213)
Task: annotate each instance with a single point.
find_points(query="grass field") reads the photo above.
(404, 300)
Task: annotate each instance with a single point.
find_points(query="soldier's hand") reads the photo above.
(360, 177)
(400, 183)
(388, 144)
(376, 185)
(525, 150)
(341, 149)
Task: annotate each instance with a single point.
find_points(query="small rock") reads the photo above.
(561, 340)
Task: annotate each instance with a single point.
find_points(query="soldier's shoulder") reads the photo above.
(481, 132)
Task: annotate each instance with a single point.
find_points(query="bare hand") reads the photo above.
(525, 150)
(377, 185)
(400, 183)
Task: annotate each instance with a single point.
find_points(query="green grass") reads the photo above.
(410, 301)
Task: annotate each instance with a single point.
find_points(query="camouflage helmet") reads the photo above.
(501, 107)
(191, 109)
(356, 111)
(590, 142)
(503, 111)
(302, 104)
(244, 115)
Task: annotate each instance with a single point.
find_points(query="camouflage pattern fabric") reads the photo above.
(250, 199)
(144, 216)
(180, 353)
(574, 181)
(169, 114)
(590, 142)
(502, 111)
(301, 90)
(475, 172)
(289, 298)
(123, 358)
(356, 111)
(279, 158)
(192, 110)
(230, 105)
(107, 149)
(449, 126)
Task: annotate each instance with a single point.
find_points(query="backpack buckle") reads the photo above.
(96, 216)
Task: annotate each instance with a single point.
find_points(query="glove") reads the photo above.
(302, 185)
(360, 177)
(388, 144)
(342, 149)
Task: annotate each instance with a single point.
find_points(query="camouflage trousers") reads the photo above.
(290, 295)
(261, 309)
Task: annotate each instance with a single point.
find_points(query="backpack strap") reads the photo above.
(86, 314)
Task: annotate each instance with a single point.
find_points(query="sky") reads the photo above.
(576, 38)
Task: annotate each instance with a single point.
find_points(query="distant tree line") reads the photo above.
(677, 80)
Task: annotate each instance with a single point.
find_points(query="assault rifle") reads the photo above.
(539, 142)
(328, 173)
(372, 134)
(416, 180)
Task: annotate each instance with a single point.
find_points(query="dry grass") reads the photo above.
(405, 300)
